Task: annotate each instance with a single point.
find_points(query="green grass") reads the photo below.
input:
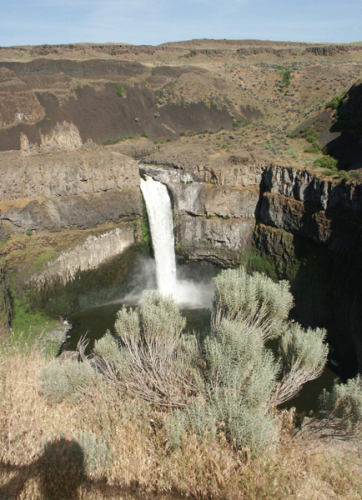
(327, 162)
(29, 326)
(26, 319)
(254, 261)
(116, 141)
(286, 74)
(37, 265)
(121, 89)
(334, 103)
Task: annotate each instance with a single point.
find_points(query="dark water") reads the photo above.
(307, 400)
(95, 319)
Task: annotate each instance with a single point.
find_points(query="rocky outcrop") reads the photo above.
(328, 50)
(89, 255)
(69, 212)
(297, 201)
(292, 216)
(81, 172)
(192, 195)
(305, 186)
(327, 212)
(218, 240)
(63, 137)
(252, 51)
(214, 222)
(77, 191)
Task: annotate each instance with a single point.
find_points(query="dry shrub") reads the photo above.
(59, 381)
(155, 360)
(144, 463)
(234, 383)
(344, 402)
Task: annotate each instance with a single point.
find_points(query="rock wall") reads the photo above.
(328, 212)
(63, 137)
(89, 255)
(78, 190)
(305, 186)
(211, 221)
(217, 208)
(298, 226)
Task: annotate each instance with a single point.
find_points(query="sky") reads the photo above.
(152, 22)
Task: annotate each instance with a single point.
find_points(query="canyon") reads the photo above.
(73, 153)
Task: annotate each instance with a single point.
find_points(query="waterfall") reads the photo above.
(159, 213)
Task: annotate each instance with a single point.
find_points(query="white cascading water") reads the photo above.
(158, 205)
(159, 213)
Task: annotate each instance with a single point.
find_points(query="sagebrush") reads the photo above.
(233, 382)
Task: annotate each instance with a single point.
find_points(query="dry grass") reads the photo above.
(40, 454)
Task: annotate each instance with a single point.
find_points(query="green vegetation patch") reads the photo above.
(328, 163)
(286, 74)
(109, 142)
(121, 89)
(334, 103)
(311, 135)
(29, 325)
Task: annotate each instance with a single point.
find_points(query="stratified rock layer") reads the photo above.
(62, 190)
(296, 225)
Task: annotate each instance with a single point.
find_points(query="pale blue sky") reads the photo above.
(31, 22)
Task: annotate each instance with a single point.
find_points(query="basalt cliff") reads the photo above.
(233, 137)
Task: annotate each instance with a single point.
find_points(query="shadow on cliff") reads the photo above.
(327, 287)
(347, 147)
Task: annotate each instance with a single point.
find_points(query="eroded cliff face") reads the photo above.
(63, 137)
(298, 226)
(297, 201)
(328, 212)
(85, 257)
(78, 190)
(80, 209)
(220, 207)
(212, 221)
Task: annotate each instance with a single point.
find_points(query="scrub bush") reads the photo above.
(121, 89)
(97, 454)
(155, 360)
(345, 402)
(234, 381)
(59, 381)
(327, 162)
